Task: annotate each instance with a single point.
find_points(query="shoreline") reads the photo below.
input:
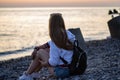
(103, 63)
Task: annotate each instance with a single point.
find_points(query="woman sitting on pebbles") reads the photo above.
(48, 54)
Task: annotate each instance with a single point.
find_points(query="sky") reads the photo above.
(32, 3)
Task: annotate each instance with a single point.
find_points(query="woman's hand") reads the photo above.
(44, 46)
(35, 51)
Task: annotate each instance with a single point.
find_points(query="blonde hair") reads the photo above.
(58, 33)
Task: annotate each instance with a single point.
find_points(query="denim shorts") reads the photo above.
(61, 72)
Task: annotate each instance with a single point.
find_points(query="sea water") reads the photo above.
(23, 28)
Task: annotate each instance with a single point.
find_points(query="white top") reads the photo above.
(56, 52)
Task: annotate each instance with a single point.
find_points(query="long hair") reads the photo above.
(58, 33)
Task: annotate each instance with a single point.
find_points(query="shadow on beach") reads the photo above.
(103, 63)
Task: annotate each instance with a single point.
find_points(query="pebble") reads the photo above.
(103, 63)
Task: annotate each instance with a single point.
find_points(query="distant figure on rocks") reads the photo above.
(47, 55)
(110, 13)
(115, 11)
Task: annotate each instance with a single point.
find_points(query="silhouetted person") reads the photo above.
(110, 13)
(115, 11)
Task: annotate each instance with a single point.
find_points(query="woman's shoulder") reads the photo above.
(70, 35)
(52, 45)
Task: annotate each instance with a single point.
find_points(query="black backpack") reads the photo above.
(79, 60)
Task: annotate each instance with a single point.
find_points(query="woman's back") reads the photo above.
(56, 52)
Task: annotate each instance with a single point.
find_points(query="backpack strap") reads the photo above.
(63, 60)
(74, 44)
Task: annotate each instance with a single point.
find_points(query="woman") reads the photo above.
(48, 55)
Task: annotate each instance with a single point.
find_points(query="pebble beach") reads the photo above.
(103, 63)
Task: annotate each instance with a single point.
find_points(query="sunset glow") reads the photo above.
(60, 2)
